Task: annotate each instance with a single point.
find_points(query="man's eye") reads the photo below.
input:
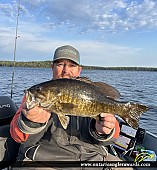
(73, 65)
(60, 64)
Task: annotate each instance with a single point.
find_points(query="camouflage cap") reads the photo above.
(67, 52)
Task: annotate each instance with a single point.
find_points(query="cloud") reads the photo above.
(46, 24)
(87, 16)
(6, 9)
(31, 47)
(100, 15)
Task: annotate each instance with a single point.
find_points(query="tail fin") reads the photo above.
(133, 111)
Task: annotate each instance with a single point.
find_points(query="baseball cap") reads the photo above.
(67, 52)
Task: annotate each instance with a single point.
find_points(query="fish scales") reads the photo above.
(80, 98)
(82, 101)
(72, 96)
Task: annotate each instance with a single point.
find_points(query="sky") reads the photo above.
(107, 33)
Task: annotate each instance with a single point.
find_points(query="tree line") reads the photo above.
(47, 64)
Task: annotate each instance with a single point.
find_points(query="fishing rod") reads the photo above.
(16, 36)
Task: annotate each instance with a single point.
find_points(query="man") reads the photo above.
(41, 135)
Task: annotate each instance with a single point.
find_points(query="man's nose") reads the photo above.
(65, 69)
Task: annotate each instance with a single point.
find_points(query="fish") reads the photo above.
(82, 97)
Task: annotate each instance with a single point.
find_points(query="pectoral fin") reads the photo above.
(64, 120)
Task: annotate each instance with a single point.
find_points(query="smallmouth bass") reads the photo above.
(81, 97)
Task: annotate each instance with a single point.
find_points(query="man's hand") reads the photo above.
(106, 124)
(36, 114)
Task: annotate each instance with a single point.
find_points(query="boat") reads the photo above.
(136, 147)
(138, 139)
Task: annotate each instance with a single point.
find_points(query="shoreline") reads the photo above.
(47, 64)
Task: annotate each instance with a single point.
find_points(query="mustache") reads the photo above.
(66, 75)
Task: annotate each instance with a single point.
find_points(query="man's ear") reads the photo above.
(80, 69)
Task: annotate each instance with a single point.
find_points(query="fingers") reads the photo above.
(106, 123)
(36, 114)
(108, 120)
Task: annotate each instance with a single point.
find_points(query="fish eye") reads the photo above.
(38, 88)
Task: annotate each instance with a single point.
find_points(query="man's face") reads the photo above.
(65, 69)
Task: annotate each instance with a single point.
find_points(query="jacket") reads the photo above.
(49, 141)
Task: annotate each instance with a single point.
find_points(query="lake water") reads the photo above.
(135, 86)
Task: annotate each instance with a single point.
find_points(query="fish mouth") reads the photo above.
(29, 96)
(30, 99)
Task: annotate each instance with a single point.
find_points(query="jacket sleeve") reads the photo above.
(104, 137)
(15, 132)
(21, 127)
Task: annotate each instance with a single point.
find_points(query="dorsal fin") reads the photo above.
(109, 90)
(85, 79)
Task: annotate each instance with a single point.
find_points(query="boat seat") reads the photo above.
(7, 110)
(8, 147)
